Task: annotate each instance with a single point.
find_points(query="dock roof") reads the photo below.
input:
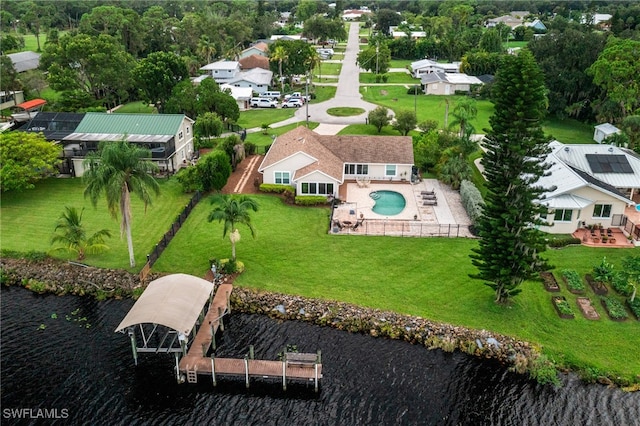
(174, 301)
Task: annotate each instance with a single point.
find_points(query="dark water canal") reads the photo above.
(61, 358)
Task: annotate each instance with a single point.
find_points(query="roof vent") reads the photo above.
(566, 149)
(610, 149)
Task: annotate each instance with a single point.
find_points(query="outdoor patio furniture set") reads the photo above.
(429, 198)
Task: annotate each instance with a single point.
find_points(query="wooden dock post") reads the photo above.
(204, 349)
(251, 352)
(213, 369)
(134, 346)
(213, 337)
(246, 370)
(284, 370)
(228, 302)
(220, 314)
(177, 368)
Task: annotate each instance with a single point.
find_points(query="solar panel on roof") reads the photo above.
(609, 163)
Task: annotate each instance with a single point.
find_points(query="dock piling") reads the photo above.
(213, 369)
(251, 352)
(220, 314)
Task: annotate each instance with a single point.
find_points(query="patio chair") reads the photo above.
(428, 197)
(432, 192)
(430, 203)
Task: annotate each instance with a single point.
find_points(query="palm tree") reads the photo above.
(465, 111)
(73, 236)
(314, 60)
(206, 48)
(279, 54)
(233, 210)
(117, 169)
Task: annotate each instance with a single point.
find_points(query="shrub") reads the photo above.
(543, 371)
(603, 272)
(471, 200)
(414, 90)
(250, 148)
(621, 285)
(385, 78)
(276, 188)
(635, 307)
(35, 256)
(563, 241)
(311, 200)
(573, 280)
(615, 308)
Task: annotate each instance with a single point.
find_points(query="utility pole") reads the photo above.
(306, 100)
(377, 61)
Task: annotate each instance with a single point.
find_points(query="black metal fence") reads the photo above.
(168, 236)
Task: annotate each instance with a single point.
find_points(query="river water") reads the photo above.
(60, 354)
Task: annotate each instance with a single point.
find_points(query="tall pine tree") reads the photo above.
(515, 146)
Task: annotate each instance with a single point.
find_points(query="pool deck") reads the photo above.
(447, 212)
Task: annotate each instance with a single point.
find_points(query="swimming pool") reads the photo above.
(388, 203)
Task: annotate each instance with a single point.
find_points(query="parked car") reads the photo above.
(293, 103)
(263, 103)
(271, 95)
(296, 95)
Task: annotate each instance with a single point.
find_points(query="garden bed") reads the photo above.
(549, 281)
(573, 281)
(634, 307)
(615, 309)
(598, 287)
(562, 307)
(587, 309)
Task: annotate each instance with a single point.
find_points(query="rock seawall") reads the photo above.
(54, 276)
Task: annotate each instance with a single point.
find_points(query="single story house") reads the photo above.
(11, 98)
(588, 184)
(439, 83)
(318, 164)
(355, 14)
(603, 131)
(426, 66)
(222, 71)
(242, 95)
(537, 25)
(257, 79)
(508, 20)
(25, 61)
(260, 48)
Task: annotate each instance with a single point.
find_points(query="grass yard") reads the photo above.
(257, 116)
(345, 111)
(429, 107)
(138, 107)
(427, 277)
(369, 129)
(400, 63)
(328, 68)
(29, 219)
(568, 130)
(392, 77)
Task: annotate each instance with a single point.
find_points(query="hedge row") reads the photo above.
(276, 188)
(311, 200)
(471, 200)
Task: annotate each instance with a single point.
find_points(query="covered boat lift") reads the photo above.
(166, 316)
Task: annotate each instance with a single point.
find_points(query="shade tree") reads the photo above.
(25, 158)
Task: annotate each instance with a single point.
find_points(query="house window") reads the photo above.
(282, 178)
(390, 170)
(180, 135)
(563, 215)
(356, 169)
(312, 188)
(188, 130)
(602, 210)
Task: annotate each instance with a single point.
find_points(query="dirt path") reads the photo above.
(242, 180)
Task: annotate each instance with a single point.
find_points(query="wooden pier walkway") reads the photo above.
(294, 366)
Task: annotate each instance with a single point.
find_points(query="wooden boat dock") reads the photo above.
(293, 366)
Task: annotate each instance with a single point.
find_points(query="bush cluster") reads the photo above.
(563, 241)
(276, 188)
(471, 200)
(311, 200)
(635, 307)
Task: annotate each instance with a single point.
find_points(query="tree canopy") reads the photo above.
(157, 75)
(516, 147)
(25, 158)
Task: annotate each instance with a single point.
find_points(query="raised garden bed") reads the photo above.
(635, 307)
(587, 309)
(573, 281)
(598, 287)
(549, 281)
(562, 307)
(615, 309)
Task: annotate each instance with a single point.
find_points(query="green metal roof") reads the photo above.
(131, 124)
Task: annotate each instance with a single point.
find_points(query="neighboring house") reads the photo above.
(222, 71)
(603, 131)
(426, 66)
(287, 37)
(439, 83)
(600, 19)
(355, 14)
(25, 61)
(318, 164)
(414, 35)
(260, 49)
(10, 99)
(588, 184)
(254, 61)
(508, 20)
(520, 14)
(169, 137)
(283, 19)
(257, 79)
(536, 25)
(242, 95)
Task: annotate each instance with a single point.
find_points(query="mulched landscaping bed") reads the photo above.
(549, 281)
(598, 287)
(587, 308)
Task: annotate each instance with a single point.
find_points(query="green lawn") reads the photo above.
(29, 218)
(568, 130)
(257, 116)
(392, 77)
(138, 107)
(429, 107)
(327, 68)
(427, 277)
(369, 129)
(323, 93)
(345, 111)
(400, 63)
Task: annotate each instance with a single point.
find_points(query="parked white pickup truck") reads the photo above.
(263, 103)
(297, 95)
